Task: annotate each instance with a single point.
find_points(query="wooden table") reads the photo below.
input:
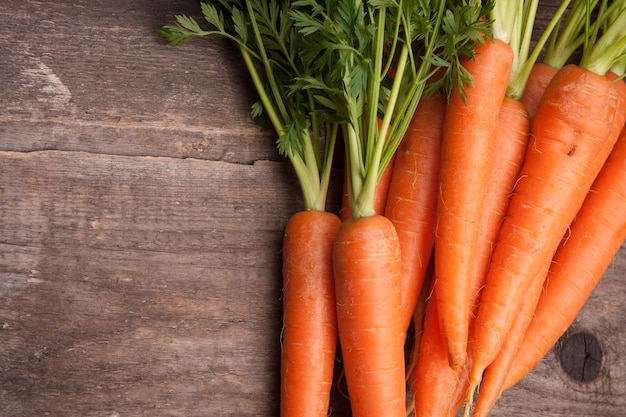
(141, 217)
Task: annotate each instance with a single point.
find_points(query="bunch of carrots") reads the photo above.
(484, 189)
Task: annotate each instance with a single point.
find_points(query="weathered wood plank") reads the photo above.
(81, 76)
(139, 284)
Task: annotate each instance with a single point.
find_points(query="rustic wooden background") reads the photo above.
(141, 217)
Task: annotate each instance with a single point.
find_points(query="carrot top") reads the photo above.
(274, 56)
(569, 35)
(373, 60)
(514, 24)
(605, 38)
(619, 67)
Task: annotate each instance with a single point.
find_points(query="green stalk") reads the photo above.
(412, 98)
(258, 84)
(308, 187)
(603, 53)
(519, 79)
(355, 167)
(364, 205)
(273, 72)
(266, 64)
(310, 159)
(619, 67)
(331, 140)
(315, 128)
(373, 132)
(563, 43)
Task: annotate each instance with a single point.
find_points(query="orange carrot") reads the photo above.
(538, 80)
(510, 144)
(419, 318)
(469, 129)
(412, 197)
(496, 373)
(309, 337)
(598, 231)
(432, 382)
(369, 312)
(572, 124)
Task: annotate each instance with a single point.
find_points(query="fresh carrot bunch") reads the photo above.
(474, 178)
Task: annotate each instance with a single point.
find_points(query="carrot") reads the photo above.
(562, 45)
(469, 129)
(497, 373)
(538, 80)
(598, 231)
(432, 381)
(510, 144)
(377, 109)
(412, 197)
(309, 336)
(437, 388)
(369, 312)
(571, 127)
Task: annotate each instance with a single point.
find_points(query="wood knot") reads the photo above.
(581, 356)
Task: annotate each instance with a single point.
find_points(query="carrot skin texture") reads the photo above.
(438, 384)
(419, 318)
(495, 376)
(309, 337)
(538, 80)
(572, 125)
(412, 197)
(469, 130)
(598, 231)
(510, 143)
(367, 266)
(432, 382)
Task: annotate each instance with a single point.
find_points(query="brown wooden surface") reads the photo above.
(141, 216)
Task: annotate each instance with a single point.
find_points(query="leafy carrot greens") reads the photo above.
(361, 66)
(273, 54)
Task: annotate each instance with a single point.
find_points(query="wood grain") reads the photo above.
(141, 217)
